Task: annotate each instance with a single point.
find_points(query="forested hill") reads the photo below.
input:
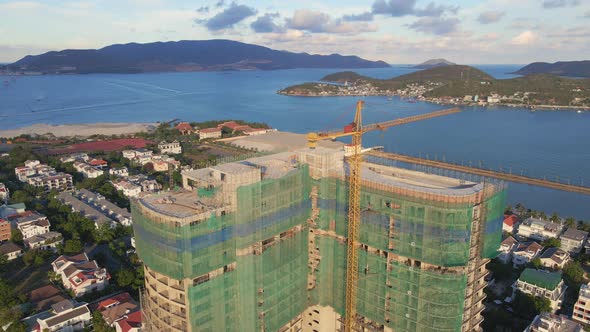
(187, 55)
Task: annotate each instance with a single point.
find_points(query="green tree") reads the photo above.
(125, 278)
(104, 233)
(536, 263)
(551, 243)
(16, 236)
(21, 196)
(542, 304)
(554, 217)
(73, 246)
(573, 274)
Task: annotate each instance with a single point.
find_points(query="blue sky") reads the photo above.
(396, 31)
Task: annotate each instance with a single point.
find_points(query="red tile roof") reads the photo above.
(184, 126)
(132, 320)
(229, 124)
(510, 220)
(97, 162)
(210, 130)
(119, 298)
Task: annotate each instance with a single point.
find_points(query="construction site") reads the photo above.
(272, 243)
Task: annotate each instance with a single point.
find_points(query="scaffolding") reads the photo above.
(284, 249)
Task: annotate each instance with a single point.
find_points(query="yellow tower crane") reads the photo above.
(356, 131)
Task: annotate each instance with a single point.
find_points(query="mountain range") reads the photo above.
(561, 68)
(186, 55)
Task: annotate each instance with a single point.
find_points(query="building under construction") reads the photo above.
(260, 245)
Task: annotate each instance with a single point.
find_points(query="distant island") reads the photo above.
(458, 85)
(562, 68)
(186, 55)
(432, 63)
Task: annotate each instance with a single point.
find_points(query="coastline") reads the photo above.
(79, 130)
(438, 101)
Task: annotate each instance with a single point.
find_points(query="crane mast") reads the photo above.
(354, 218)
(356, 131)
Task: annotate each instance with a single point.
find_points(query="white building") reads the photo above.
(47, 241)
(525, 252)
(30, 223)
(43, 176)
(129, 189)
(507, 247)
(122, 171)
(10, 250)
(538, 229)
(543, 284)
(4, 193)
(209, 133)
(546, 322)
(80, 274)
(573, 240)
(172, 148)
(582, 307)
(66, 315)
(554, 258)
(74, 157)
(87, 170)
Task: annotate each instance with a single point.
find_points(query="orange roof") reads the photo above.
(97, 162)
(229, 124)
(510, 220)
(132, 320)
(210, 130)
(184, 126)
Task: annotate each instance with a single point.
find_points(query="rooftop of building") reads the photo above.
(541, 278)
(179, 204)
(9, 247)
(555, 323)
(574, 234)
(555, 254)
(585, 291)
(279, 141)
(510, 220)
(44, 297)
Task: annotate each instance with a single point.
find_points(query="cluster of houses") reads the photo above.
(57, 311)
(525, 245)
(159, 162)
(96, 208)
(43, 176)
(215, 132)
(132, 186)
(34, 228)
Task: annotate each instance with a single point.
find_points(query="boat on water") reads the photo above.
(579, 111)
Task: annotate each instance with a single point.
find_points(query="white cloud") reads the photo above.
(19, 5)
(525, 38)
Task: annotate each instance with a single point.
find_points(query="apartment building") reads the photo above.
(543, 284)
(171, 148)
(582, 306)
(43, 176)
(538, 229)
(573, 240)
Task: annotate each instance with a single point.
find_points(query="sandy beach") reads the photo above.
(80, 130)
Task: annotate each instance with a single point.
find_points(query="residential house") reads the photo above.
(150, 186)
(573, 240)
(5, 230)
(510, 223)
(554, 258)
(44, 297)
(172, 147)
(129, 189)
(117, 308)
(543, 284)
(185, 128)
(98, 163)
(546, 322)
(66, 315)
(526, 252)
(538, 229)
(43, 176)
(121, 172)
(582, 306)
(209, 133)
(46, 241)
(85, 209)
(507, 246)
(160, 166)
(87, 170)
(129, 154)
(75, 157)
(105, 206)
(255, 131)
(80, 274)
(11, 250)
(4, 194)
(30, 223)
(130, 322)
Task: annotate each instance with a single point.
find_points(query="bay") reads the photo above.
(550, 144)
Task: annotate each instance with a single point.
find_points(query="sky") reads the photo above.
(396, 31)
